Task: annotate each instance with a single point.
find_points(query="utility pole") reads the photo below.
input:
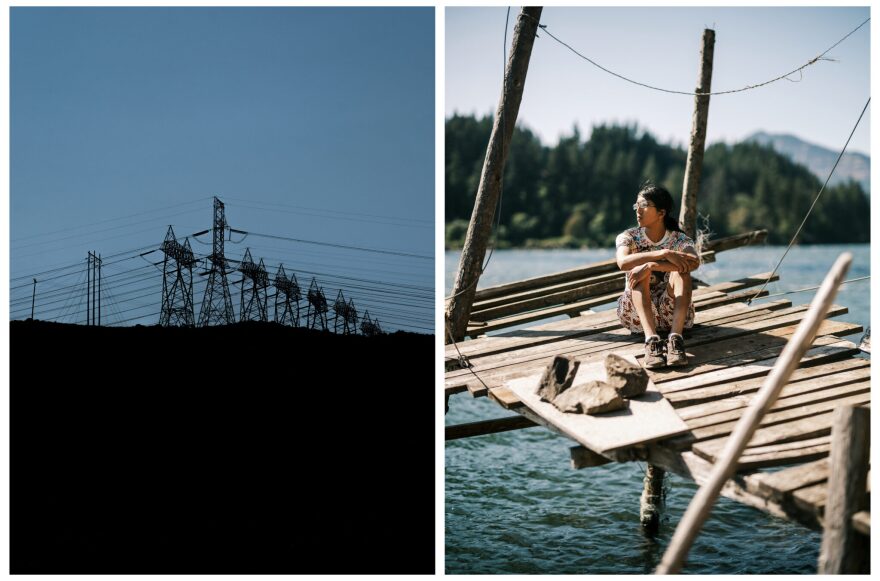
(694, 167)
(33, 299)
(89, 290)
(480, 228)
(100, 263)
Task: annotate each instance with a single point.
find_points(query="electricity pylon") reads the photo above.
(340, 310)
(217, 303)
(317, 311)
(351, 318)
(254, 283)
(286, 296)
(177, 287)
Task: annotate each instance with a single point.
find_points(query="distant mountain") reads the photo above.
(819, 160)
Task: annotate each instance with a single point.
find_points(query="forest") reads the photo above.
(580, 192)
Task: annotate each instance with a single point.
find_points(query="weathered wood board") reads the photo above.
(649, 417)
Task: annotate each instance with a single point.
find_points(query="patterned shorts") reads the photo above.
(662, 305)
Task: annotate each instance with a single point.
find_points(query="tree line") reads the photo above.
(580, 192)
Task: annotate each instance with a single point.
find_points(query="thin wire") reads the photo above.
(813, 205)
(800, 290)
(693, 93)
(362, 249)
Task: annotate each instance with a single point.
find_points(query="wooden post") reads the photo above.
(694, 167)
(700, 506)
(33, 299)
(470, 266)
(844, 549)
(652, 499)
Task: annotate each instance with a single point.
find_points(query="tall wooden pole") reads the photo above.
(89, 291)
(458, 309)
(694, 168)
(34, 299)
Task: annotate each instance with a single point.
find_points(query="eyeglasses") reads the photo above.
(642, 205)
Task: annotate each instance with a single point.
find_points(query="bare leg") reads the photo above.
(641, 297)
(679, 288)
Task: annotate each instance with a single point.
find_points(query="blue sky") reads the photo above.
(314, 124)
(661, 47)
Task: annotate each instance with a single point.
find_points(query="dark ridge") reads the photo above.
(251, 448)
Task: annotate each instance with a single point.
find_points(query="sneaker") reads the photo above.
(675, 355)
(654, 357)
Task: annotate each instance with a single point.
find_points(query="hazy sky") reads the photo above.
(661, 47)
(315, 124)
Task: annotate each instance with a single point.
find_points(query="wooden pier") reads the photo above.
(731, 349)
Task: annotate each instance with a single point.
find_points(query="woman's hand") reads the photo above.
(682, 261)
(640, 273)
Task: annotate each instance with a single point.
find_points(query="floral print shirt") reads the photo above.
(637, 241)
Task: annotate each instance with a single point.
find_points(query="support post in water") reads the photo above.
(694, 166)
(652, 499)
(844, 549)
(489, 191)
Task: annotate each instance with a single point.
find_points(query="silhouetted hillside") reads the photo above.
(244, 449)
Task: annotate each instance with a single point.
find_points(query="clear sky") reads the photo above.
(314, 124)
(661, 47)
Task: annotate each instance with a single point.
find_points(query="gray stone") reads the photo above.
(593, 397)
(557, 377)
(629, 379)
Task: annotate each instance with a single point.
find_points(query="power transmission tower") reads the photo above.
(253, 295)
(177, 287)
(340, 310)
(370, 327)
(217, 303)
(351, 318)
(286, 295)
(93, 290)
(317, 311)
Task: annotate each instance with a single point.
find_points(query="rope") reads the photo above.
(800, 290)
(463, 361)
(813, 205)
(693, 93)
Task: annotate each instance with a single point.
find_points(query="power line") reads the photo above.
(692, 93)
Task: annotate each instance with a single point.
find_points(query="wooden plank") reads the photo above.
(780, 485)
(803, 380)
(543, 291)
(733, 395)
(798, 394)
(694, 389)
(736, 241)
(593, 322)
(784, 418)
(484, 427)
(704, 298)
(754, 458)
(861, 521)
(585, 458)
(544, 301)
(579, 273)
(689, 465)
(648, 418)
(762, 318)
(741, 351)
(505, 397)
(796, 428)
(520, 364)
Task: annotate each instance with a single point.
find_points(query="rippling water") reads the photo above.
(514, 505)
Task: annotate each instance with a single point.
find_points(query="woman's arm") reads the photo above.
(628, 261)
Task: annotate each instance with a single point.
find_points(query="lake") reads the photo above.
(514, 504)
